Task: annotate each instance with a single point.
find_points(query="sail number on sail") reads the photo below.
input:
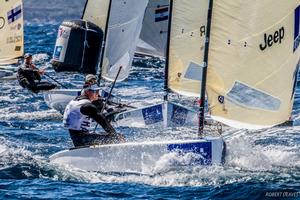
(270, 39)
(2, 22)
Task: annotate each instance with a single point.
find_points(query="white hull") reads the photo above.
(142, 157)
(59, 98)
(7, 75)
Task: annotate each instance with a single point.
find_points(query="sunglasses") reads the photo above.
(94, 91)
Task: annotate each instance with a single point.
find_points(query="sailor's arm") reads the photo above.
(91, 111)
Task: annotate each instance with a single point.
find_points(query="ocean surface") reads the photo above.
(259, 164)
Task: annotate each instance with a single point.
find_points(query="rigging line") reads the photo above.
(109, 94)
(85, 44)
(84, 9)
(55, 81)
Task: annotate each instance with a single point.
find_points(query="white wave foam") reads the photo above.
(38, 115)
(3, 148)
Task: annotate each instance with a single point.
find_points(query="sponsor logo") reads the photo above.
(161, 13)
(221, 99)
(14, 39)
(57, 52)
(152, 114)
(201, 150)
(14, 14)
(297, 29)
(2, 22)
(270, 39)
(179, 115)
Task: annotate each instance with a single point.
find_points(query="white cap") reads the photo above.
(90, 77)
(93, 87)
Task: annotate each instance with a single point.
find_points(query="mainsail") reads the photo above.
(186, 46)
(125, 24)
(96, 11)
(11, 31)
(154, 34)
(253, 61)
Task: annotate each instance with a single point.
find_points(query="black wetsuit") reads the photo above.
(30, 78)
(83, 137)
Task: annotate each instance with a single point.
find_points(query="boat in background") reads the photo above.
(154, 34)
(118, 20)
(11, 37)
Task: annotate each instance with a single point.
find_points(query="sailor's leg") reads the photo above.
(30, 86)
(81, 139)
(77, 138)
(101, 138)
(43, 85)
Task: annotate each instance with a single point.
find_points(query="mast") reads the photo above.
(86, 2)
(104, 41)
(204, 74)
(166, 89)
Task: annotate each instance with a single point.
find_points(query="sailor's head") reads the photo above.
(91, 91)
(90, 79)
(28, 58)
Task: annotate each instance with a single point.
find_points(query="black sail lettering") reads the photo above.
(261, 46)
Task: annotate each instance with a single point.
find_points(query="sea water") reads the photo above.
(259, 164)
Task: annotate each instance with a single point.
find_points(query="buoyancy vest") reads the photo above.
(73, 119)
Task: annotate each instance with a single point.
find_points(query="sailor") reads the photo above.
(90, 79)
(78, 115)
(30, 77)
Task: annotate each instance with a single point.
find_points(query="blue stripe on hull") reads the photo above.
(152, 114)
(204, 149)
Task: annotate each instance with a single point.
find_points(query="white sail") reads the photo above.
(96, 11)
(253, 57)
(154, 34)
(125, 24)
(189, 18)
(11, 31)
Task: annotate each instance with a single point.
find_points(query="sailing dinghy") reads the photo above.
(250, 69)
(119, 20)
(134, 157)
(11, 36)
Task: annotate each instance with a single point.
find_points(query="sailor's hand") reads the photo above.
(41, 71)
(121, 138)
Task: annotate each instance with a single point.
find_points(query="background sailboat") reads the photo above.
(119, 20)
(11, 35)
(154, 34)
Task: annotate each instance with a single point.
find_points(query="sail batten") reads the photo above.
(11, 32)
(253, 59)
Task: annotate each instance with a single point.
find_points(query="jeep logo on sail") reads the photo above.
(270, 39)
